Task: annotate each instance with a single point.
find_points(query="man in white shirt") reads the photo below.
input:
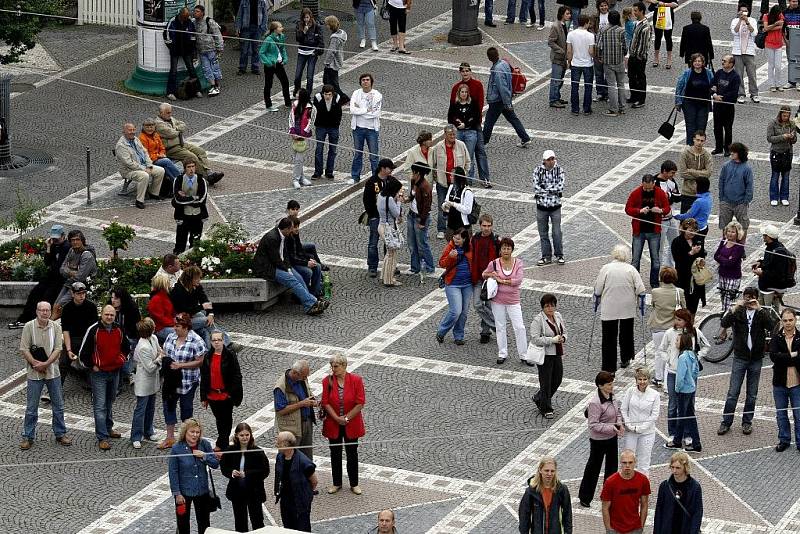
(171, 268)
(580, 57)
(365, 112)
(744, 32)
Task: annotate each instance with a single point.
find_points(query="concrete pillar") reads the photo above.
(152, 55)
(464, 31)
(5, 117)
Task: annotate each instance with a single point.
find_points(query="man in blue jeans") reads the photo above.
(104, 351)
(580, 57)
(365, 120)
(303, 262)
(369, 199)
(326, 124)
(42, 370)
(488, 8)
(751, 324)
(548, 188)
(498, 95)
(557, 41)
(646, 206)
(271, 262)
(251, 24)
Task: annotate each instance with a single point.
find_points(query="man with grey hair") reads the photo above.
(445, 157)
(136, 165)
(294, 405)
(617, 292)
(295, 483)
(172, 131)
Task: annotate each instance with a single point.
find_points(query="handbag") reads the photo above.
(701, 274)
(667, 128)
(363, 219)
(760, 39)
(299, 145)
(216, 504)
(392, 237)
(535, 353)
(384, 11)
(661, 18)
(322, 413)
(781, 161)
(489, 287)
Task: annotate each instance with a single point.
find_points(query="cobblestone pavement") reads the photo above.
(451, 436)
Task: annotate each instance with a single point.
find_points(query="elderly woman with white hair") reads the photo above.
(343, 398)
(640, 406)
(618, 291)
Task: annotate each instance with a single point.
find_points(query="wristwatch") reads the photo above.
(346, 419)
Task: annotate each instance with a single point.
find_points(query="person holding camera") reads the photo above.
(605, 428)
(686, 248)
(751, 324)
(40, 347)
(294, 406)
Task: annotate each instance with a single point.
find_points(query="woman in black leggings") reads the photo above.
(397, 24)
(667, 33)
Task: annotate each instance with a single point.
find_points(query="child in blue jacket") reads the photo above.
(685, 387)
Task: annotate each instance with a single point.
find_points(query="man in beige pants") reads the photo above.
(137, 166)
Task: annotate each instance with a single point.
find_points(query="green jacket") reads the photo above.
(272, 45)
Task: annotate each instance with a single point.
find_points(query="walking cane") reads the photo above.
(641, 318)
(594, 320)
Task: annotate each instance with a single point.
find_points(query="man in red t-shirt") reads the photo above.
(625, 496)
(477, 150)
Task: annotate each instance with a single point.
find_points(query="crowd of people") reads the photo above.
(179, 347)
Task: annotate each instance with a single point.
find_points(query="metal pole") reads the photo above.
(88, 176)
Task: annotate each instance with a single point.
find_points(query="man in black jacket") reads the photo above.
(302, 262)
(773, 271)
(724, 90)
(326, 124)
(271, 262)
(696, 39)
(372, 189)
(751, 324)
(181, 40)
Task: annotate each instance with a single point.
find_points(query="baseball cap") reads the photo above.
(770, 230)
(548, 154)
(386, 163)
(57, 230)
(78, 286)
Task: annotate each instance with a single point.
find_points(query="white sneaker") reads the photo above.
(773, 202)
(171, 97)
(296, 184)
(529, 24)
(305, 181)
(349, 181)
(540, 27)
(374, 46)
(773, 89)
(755, 99)
(137, 444)
(740, 99)
(440, 235)
(788, 86)
(274, 109)
(363, 43)
(784, 202)
(214, 91)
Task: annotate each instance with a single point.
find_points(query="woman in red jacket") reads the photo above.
(160, 307)
(343, 399)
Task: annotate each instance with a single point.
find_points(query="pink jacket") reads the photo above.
(507, 294)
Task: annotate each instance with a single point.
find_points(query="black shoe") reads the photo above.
(329, 176)
(549, 415)
(316, 309)
(316, 176)
(440, 339)
(459, 342)
(140, 205)
(726, 154)
(491, 24)
(324, 267)
(485, 338)
(780, 447)
(153, 197)
(723, 429)
(240, 72)
(671, 445)
(256, 72)
(563, 101)
(587, 112)
(557, 104)
(747, 429)
(373, 274)
(716, 151)
(624, 364)
(214, 177)
(637, 105)
(693, 448)
(16, 325)
(501, 361)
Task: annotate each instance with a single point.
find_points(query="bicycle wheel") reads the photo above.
(710, 328)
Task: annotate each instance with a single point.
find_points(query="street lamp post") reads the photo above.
(464, 31)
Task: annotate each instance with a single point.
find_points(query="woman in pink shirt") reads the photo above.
(507, 271)
(773, 44)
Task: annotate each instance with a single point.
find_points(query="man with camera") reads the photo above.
(751, 326)
(773, 270)
(40, 347)
(294, 406)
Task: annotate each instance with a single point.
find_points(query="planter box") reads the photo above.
(15, 293)
(256, 291)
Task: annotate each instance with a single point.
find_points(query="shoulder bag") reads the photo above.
(701, 274)
(384, 11)
(392, 237)
(667, 128)
(535, 353)
(489, 286)
(216, 504)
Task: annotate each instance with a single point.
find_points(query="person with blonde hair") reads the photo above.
(546, 505)
(640, 406)
(625, 497)
(679, 506)
(160, 308)
(729, 256)
(189, 463)
(617, 292)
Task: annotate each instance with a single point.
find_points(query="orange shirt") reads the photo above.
(547, 498)
(154, 145)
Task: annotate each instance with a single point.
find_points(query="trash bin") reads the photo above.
(464, 31)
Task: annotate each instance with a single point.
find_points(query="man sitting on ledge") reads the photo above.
(271, 262)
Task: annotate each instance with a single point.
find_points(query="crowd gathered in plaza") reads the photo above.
(177, 348)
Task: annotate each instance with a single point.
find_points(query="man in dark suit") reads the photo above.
(696, 38)
(271, 262)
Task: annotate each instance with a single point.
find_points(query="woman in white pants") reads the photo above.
(507, 271)
(639, 409)
(665, 300)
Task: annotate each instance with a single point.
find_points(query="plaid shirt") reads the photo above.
(642, 35)
(548, 185)
(188, 352)
(611, 45)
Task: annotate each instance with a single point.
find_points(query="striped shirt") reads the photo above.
(611, 45)
(642, 35)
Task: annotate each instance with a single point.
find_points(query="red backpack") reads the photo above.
(518, 80)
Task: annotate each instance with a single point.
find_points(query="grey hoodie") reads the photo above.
(334, 56)
(85, 262)
(209, 36)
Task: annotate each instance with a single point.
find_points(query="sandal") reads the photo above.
(668, 66)
(655, 64)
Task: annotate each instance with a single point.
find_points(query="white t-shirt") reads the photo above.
(399, 4)
(581, 40)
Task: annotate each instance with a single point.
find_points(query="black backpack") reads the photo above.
(791, 268)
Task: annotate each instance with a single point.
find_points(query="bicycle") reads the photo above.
(721, 348)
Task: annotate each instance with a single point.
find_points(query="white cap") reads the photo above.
(548, 154)
(770, 230)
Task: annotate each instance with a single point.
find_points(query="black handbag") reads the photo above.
(668, 128)
(216, 504)
(781, 161)
(384, 10)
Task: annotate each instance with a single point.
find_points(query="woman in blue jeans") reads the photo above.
(466, 117)
(693, 95)
(784, 351)
(365, 20)
(455, 260)
(781, 135)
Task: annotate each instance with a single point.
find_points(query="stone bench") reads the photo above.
(256, 291)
